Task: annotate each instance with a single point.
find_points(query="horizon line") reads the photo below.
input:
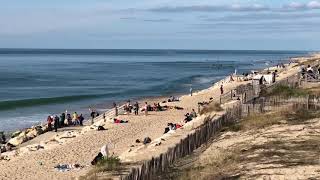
(163, 49)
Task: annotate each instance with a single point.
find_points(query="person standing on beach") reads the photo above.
(104, 117)
(191, 91)
(56, 123)
(81, 118)
(75, 118)
(92, 114)
(115, 109)
(136, 108)
(49, 121)
(62, 118)
(146, 109)
(221, 89)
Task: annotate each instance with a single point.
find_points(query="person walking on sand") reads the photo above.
(146, 109)
(104, 117)
(221, 89)
(191, 91)
(136, 108)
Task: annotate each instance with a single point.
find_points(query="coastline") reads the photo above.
(155, 120)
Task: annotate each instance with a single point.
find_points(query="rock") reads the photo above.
(31, 134)
(19, 139)
(2, 148)
(36, 131)
(2, 138)
(44, 128)
(15, 134)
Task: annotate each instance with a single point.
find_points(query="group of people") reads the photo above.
(188, 117)
(310, 71)
(65, 119)
(128, 108)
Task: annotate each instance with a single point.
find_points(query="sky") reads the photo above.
(161, 24)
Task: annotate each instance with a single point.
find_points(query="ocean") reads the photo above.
(35, 83)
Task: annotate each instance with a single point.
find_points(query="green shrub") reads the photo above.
(109, 163)
(283, 90)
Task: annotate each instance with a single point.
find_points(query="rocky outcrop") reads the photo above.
(22, 137)
(34, 132)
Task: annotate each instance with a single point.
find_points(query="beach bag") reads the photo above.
(101, 128)
(146, 140)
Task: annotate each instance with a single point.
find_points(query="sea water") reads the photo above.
(35, 83)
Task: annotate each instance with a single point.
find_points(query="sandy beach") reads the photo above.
(84, 144)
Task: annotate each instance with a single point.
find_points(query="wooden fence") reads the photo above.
(249, 102)
(185, 147)
(211, 126)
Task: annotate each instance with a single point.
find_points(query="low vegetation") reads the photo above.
(110, 165)
(221, 165)
(262, 120)
(285, 91)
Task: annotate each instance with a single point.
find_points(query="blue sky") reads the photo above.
(161, 24)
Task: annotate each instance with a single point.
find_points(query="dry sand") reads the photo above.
(278, 152)
(84, 147)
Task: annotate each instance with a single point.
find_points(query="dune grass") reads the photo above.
(221, 165)
(286, 91)
(107, 165)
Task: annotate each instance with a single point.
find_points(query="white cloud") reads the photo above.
(303, 6)
(314, 5)
(295, 5)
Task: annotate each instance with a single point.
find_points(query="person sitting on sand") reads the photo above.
(188, 118)
(159, 107)
(193, 114)
(104, 153)
(171, 126)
